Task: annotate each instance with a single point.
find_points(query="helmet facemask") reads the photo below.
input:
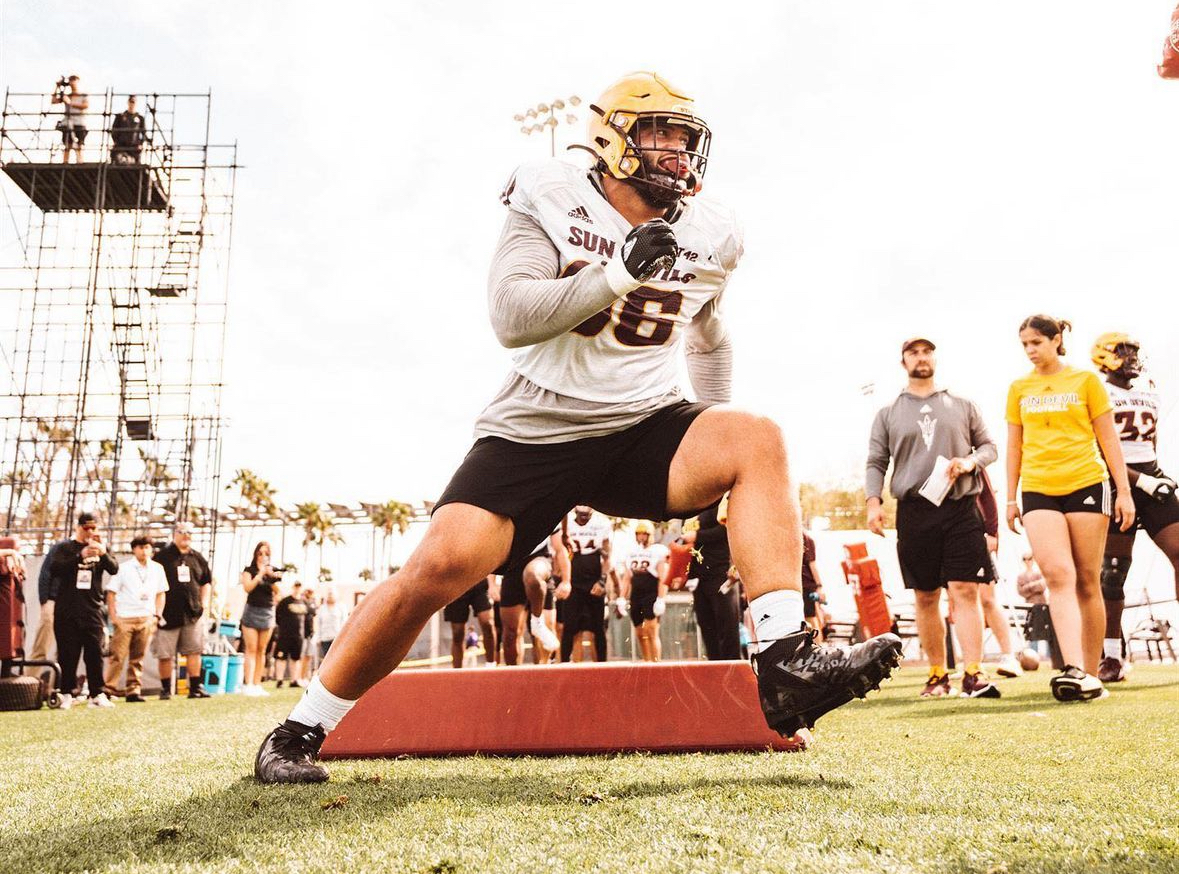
(662, 176)
(1130, 367)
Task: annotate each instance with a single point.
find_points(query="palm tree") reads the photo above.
(310, 517)
(388, 516)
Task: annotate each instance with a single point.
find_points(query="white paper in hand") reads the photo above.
(939, 484)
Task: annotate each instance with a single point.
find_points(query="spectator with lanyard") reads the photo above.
(1059, 425)
(78, 623)
(260, 581)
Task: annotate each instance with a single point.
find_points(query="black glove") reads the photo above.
(649, 248)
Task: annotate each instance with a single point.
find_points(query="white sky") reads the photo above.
(918, 166)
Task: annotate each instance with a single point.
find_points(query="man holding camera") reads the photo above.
(78, 568)
(73, 124)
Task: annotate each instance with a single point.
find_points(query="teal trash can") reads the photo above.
(233, 673)
(213, 670)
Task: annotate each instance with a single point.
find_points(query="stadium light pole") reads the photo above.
(545, 115)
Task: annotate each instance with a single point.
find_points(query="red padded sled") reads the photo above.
(559, 710)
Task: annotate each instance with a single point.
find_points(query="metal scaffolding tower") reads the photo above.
(113, 297)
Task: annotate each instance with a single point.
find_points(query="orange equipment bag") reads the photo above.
(677, 565)
(1169, 68)
(863, 575)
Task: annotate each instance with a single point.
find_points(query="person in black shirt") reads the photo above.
(181, 628)
(812, 587)
(78, 623)
(290, 616)
(128, 133)
(260, 581)
(716, 599)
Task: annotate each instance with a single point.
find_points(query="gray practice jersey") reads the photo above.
(913, 431)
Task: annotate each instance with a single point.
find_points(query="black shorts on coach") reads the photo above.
(536, 484)
(938, 545)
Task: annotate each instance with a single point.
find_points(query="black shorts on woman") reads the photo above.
(1097, 498)
(536, 484)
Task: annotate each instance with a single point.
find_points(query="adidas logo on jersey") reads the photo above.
(579, 212)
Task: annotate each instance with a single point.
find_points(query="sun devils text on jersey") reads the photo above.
(1136, 415)
(624, 353)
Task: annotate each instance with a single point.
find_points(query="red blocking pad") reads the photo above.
(558, 710)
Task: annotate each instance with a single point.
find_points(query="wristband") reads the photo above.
(619, 278)
(1013, 503)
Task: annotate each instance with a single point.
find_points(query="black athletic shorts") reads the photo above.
(73, 134)
(511, 590)
(474, 600)
(536, 484)
(937, 545)
(289, 648)
(643, 592)
(584, 612)
(809, 607)
(1097, 498)
(1150, 514)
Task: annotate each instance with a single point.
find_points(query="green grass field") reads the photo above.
(893, 784)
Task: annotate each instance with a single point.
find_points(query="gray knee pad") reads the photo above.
(1113, 578)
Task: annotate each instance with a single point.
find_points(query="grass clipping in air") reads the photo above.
(1021, 784)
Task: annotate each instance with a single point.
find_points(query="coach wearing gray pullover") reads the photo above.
(938, 545)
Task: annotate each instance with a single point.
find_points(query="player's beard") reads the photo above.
(656, 187)
(922, 371)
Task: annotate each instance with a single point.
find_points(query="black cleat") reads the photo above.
(198, 692)
(288, 755)
(798, 681)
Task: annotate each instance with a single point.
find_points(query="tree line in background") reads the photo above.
(845, 509)
(319, 526)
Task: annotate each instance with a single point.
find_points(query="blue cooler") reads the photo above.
(229, 628)
(213, 671)
(233, 673)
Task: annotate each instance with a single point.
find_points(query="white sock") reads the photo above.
(1112, 648)
(318, 706)
(776, 615)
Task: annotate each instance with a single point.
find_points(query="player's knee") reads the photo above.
(1113, 578)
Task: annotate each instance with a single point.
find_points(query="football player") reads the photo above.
(475, 600)
(1136, 416)
(602, 276)
(584, 614)
(643, 589)
(522, 594)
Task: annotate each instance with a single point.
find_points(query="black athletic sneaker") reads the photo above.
(198, 692)
(798, 681)
(166, 691)
(134, 698)
(288, 755)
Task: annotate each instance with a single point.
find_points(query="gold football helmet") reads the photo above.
(1108, 351)
(636, 100)
(644, 527)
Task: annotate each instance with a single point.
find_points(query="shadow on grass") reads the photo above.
(240, 820)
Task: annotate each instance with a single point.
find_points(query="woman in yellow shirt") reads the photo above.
(1059, 427)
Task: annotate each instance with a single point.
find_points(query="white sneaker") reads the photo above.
(543, 634)
(256, 691)
(67, 701)
(1009, 667)
(100, 700)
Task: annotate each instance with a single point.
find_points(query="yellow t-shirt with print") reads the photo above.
(1060, 453)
